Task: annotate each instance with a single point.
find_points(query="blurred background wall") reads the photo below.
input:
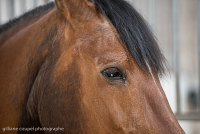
(176, 24)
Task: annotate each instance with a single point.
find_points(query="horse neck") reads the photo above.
(27, 38)
(21, 56)
(19, 25)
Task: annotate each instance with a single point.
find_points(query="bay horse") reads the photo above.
(87, 66)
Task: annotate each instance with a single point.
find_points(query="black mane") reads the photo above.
(135, 34)
(132, 28)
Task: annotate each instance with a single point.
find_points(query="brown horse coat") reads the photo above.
(51, 76)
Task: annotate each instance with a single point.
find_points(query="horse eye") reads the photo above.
(114, 73)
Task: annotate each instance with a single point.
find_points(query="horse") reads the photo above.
(85, 66)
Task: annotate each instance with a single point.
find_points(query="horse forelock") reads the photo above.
(135, 34)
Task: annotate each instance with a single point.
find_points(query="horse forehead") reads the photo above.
(104, 43)
(97, 27)
(100, 35)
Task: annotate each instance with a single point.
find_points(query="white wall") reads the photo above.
(14, 8)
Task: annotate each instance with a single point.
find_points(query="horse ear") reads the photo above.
(76, 9)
